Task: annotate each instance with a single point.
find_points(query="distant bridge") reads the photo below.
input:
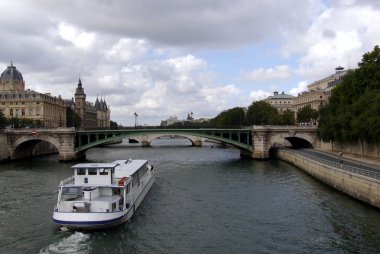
(239, 138)
(254, 141)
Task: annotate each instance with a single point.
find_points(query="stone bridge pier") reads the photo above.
(266, 137)
(25, 142)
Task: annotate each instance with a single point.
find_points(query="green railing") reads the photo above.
(239, 138)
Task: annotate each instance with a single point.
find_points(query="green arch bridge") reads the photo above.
(239, 138)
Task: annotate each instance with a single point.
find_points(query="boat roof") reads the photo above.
(128, 167)
(95, 165)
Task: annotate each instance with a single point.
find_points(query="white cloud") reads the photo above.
(338, 37)
(302, 87)
(80, 39)
(259, 95)
(276, 73)
(127, 49)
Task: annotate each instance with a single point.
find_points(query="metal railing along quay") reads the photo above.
(361, 171)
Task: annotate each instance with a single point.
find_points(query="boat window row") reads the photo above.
(92, 171)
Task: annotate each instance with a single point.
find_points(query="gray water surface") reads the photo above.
(204, 200)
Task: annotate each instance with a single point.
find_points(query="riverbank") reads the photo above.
(351, 182)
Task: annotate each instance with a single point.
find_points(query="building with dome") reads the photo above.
(16, 102)
(281, 101)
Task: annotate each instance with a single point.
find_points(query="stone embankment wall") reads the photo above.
(358, 186)
(4, 151)
(367, 150)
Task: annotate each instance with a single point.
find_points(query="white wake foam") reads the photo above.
(75, 243)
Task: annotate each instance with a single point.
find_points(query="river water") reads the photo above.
(204, 200)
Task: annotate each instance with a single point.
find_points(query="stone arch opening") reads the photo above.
(133, 141)
(297, 142)
(32, 148)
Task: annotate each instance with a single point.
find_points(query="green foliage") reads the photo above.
(14, 122)
(114, 125)
(3, 120)
(287, 118)
(307, 115)
(231, 117)
(353, 111)
(260, 113)
(72, 118)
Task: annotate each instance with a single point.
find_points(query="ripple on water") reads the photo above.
(77, 242)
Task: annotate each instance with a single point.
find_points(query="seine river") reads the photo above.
(204, 200)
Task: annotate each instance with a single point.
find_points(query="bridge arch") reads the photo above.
(267, 137)
(147, 140)
(295, 140)
(25, 147)
(239, 138)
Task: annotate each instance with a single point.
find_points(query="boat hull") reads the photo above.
(92, 220)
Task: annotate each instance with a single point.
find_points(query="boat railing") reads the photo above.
(69, 180)
(81, 206)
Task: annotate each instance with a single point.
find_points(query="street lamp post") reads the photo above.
(136, 115)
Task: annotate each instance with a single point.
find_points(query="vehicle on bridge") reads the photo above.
(102, 195)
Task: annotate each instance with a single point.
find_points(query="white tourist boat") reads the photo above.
(101, 195)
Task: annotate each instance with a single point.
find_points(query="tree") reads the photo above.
(3, 120)
(287, 117)
(228, 118)
(307, 115)
(113, 125)
(261, 112)
(72, 118)
(353, 111)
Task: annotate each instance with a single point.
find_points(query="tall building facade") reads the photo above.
(19, 103)
(92, 116)
(328, 82)
(319, 91)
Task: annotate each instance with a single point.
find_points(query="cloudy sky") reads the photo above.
(163, 58)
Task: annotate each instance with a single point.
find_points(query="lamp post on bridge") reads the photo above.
(136, 115)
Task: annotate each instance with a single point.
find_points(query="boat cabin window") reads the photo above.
(92, 171)
(81, 171)
(103, 171)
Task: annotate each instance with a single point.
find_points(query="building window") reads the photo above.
(11, 112)
(17, 112)
(30, 111)
(23, 112)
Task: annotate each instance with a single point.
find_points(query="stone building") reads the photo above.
(316, 99)
(281, 102)
(318, 92)
(102, 113)
(92, 116)
(17, 102)
(328, 82)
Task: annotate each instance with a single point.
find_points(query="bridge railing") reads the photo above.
(360, 171)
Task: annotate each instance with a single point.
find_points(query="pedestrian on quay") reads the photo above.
(340, 159)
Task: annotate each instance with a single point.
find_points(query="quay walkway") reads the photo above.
(356, 178)
(350, 163)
